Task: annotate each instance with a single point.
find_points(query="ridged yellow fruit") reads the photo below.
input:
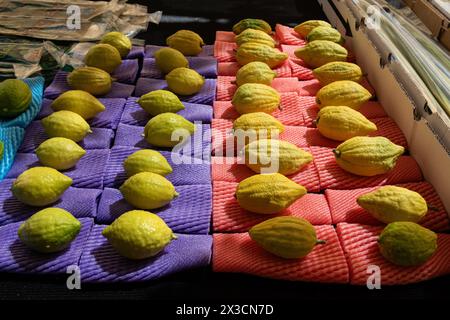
(305, 28)
(167, 59)
(66, 124)
(249, 23)
(80, 102)
(160, 101)
(184, 81)
(59, 153)
(341, 123)
(256, 97)
(167, 130)
(268, 193)
(255, 72)
(119, 41)
(391, 204)
(367, 156)
(325, 33)
(187, 42)
(319, 52)
(250, 51)
(343, 93)
(103, 56)
(90, 79)
(146, 160)
(256, 36)
(336, 71)
(286, 237)
(270, 155)
(261, 123)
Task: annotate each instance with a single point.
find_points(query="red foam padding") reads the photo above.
(344, 208)
(225, 51)
(333, 177)
(231, 169)
(231, 68)
(225, 36)
(287, 35)
(361, 249)
(238, 253)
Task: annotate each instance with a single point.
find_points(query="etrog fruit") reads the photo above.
(160, 101)
(66, 124)
(167, 130)
(184, 81)
(59, 153)
(168, 59)
(146, 160)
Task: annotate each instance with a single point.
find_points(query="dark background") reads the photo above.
(207, 17)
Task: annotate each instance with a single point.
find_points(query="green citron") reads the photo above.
(80, 102)
(251, 51)
(325, 33)
(256, 36)
(249, 23)
(138, 234)
(146, 161)
(343, 93)
(184, 81)
(1, 150)
(49, 230)
(391, 204)
(168, 59)
(66, 124)
(40, 186)
(15, 98)
(286, 237)
(148, 190)
(268, 193)
(255, 72)
(336, 71)
(167, 130)
(187, 42)
(90, 79)
(256, 97)
(407, 243)
(160, 101)
(59, 153)
(119, 41)
(319, 52)
(103, 56)
(306, 27)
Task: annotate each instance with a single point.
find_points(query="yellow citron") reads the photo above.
(255, 72)
(325, 33)
(341, 123)
(250, 51)
(256, 97)
(119, 41)
(66, 124)
(187, 42)
(306, 27)
(343, 93)
(167, 130)
(160, 101)
(268, 193)
(90, 79)
(59, 153)
(80, 102)
(249, 23)
(319, 52)
(184, 81)
(336, 71)
(103, 56)
(367, 156)
(167, 59)
(146, 160)
(258, 123)
(256, 36)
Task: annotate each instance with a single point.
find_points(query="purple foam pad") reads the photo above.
(208, 51)
(127, 71)
(134, 115)
(186, 170)
(16, 257)
(206, 95)
(100, 138)
(88, 173)
(198, 146)
(60, 85)
(107, 119)
(12, 139)
(190, 212)
(82, 203)
(101, 263)
(206, 66)
(136, 52)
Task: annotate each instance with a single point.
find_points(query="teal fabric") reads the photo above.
(12, 139)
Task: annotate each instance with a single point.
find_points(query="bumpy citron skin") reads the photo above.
(40, 186)
(343, 93)
(391, 204)
(325, 33)
(256, 97)
(103, 56)
(367, 156)
(336, 71)
(250, 51)
(66, 124)
(255, 72)
(119, 41)
(146, 160)
(255, 36)
(93, 80)
(2, 146)
(184, 81)
(286, 237)
(341, 123)
(138, 234)
(168, 59)
(159, 130)
(249, 23)
(407, 243)
(187, 42)
(59, 153)
(268, 193)
(306, 27)
(258, 122)
(80, 102)
(15, 98)
(319, 52)
(148, 190)
(160, 101)
(49, 230)
(269, 156)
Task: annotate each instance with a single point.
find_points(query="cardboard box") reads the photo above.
(431, 17)
(444, 38)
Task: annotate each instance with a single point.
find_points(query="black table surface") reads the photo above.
(205, 17)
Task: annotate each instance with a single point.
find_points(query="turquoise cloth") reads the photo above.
(12, 139)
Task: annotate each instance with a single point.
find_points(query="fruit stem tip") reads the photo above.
(321, 242)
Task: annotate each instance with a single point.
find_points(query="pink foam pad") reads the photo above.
(299, 70)
(344, 208)
(225, 51)
(228, 216)
(361, 249)
(229, 169)
(231, 68)
(225, 36)
(236, 252)
(332, 176)
(290, 49)
(287, 35)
